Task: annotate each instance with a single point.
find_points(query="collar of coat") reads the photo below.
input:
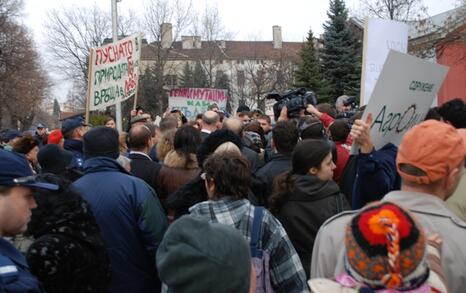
(176, 160)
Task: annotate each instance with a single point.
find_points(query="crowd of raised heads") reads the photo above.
(235, 202)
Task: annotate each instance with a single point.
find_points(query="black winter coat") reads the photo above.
(278, 164)
(312, 202)
(146, 169)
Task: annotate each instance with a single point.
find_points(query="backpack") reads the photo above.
(260, 259)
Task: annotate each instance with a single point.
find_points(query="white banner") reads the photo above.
(193, 101)
(380, 36)
(114, 72)
(402, 96)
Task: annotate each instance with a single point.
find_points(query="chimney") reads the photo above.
(222, 44)
(277, 37)
(197, 42)
(187, 42)
(167, 36)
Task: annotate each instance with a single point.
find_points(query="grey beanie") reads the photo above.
(198, 256)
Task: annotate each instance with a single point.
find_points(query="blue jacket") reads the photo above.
(131, 220)
(76, 147)
(376, 176)
(14, 271)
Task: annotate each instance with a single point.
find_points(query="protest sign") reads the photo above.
(380, 35)
(114, 72)
(402, 96)
(193, 101)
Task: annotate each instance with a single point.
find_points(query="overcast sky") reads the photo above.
(246, 19)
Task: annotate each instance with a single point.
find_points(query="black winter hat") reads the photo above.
(101, 141)
(53, 159)
(198, 256)
(213, 141)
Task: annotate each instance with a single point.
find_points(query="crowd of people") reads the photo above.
(235, 203)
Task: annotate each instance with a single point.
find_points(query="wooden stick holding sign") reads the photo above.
(88, 94)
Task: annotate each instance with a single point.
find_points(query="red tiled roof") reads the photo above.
(234, 50)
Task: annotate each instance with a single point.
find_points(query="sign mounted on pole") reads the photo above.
(380, 36)
(114, 72)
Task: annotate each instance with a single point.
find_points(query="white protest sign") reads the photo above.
(402, 96)
(193, 101)
(380, 35)
(114, 72)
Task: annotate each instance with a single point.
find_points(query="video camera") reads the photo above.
(295, 101)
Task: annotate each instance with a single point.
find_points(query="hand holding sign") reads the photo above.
(361, 134)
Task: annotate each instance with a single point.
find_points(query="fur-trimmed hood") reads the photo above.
(176, 160)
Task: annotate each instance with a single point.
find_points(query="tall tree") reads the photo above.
(72, 32)
(56, 109)
(150, 97)
(340, 55)
(199, 76)
(187, 77)
(157, 13)
(400, 10)
(308, 73)
(23, 82)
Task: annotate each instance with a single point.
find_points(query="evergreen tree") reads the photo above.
(187, 77)
(199, 76)
(308, 73)
(56, 109)
(222, 81)
(340, 56)
(151, 96)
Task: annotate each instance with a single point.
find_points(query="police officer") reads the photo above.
(16, 201)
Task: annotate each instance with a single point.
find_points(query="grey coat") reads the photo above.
(433, 215)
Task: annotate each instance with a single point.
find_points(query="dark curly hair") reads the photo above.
(231, 174)
(25, 144)
(454, 112)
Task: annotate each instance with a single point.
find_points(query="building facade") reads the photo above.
(252, 68)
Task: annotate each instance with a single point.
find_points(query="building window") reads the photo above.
(171, 80)
(240, 79)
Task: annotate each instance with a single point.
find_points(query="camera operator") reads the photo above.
(346, 106)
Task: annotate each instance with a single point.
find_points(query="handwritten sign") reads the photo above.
(402, 96)
(114, 72)
(380, 36)
(193, 101)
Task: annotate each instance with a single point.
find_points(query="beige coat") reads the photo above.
(431, 212)
(457, 202)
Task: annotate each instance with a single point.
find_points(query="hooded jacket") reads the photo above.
(310, 204)
(131, 220)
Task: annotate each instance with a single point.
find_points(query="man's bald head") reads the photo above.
(210, 120)
(234, 124)
(139, 137)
